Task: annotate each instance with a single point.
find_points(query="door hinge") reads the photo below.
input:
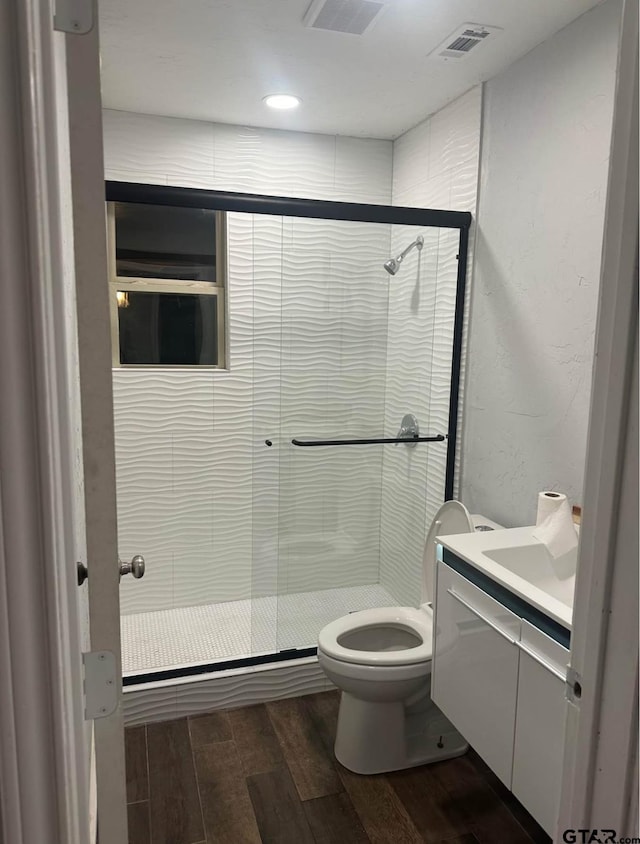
(74, 16)
(573, 688)
(101, 685)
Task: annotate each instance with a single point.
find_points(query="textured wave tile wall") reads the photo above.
(410, 348)
(191, 153)
(198, 490)
(435, 166)
(292, 371)
(223, 691)
(243, 521)
(143, 148)
(221, 516)
(268, 236)
(334, 300)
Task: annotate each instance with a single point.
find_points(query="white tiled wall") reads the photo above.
(219, 515)
(435, 165)
(211, 507)
(190, 153)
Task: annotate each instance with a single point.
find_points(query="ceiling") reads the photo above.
(216, 59)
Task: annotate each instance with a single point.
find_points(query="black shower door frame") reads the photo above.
(286, 206)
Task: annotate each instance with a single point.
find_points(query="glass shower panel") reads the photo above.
(334, 294)
(441, 368)
(419, 355)
(266, 255)
(253, 544)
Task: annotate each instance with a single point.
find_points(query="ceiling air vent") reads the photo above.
(351, 16)
(464, 40)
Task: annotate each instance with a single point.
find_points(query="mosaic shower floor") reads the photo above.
(194, 635)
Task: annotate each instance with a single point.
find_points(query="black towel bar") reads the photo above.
(410, 440)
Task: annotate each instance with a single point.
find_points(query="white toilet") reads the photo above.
(381, 659)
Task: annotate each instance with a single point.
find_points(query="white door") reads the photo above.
(57, 484)
(94, 358)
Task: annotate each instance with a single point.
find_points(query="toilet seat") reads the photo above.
(340, 639)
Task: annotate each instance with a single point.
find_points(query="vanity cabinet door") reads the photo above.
(475, 667)
(539, 737)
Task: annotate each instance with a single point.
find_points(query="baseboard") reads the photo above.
(168, 699)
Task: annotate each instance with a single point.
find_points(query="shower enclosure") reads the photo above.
(297, 483)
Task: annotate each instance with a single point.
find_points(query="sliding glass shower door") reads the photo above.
(361, 351)
(335, 295)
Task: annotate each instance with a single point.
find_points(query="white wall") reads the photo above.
(435, 165)
(545, 149)
(199, 494)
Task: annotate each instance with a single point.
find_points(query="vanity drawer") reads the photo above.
(539, 733)
(475, 667)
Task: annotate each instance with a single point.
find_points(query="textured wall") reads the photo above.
(211, 507)
(545, 149)
(435, 165)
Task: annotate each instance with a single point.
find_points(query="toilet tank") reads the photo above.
(482, 523)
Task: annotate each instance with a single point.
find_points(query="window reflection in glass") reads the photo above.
(171, 329)
(159, 241)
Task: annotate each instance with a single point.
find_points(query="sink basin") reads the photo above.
(514, 558)
(533, 563)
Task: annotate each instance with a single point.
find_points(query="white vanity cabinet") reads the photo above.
(500, 680)
(475, 683)
(539, 735)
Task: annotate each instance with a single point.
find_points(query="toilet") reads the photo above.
(381, 660)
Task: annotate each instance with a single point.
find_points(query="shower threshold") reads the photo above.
(187, 641)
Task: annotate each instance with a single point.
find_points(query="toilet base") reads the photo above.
(375, 738)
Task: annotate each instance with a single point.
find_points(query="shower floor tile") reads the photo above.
(152, 641)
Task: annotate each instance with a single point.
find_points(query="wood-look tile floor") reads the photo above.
(267, 774)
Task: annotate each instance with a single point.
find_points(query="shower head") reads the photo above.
(393, 264)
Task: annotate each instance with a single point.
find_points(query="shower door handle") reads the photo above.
(135, 567)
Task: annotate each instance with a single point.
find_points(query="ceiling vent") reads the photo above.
(354, 17)
(464, 40)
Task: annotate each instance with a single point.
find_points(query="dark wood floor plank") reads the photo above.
(278, 810)
(323, 712)
(383, 816)
(528, 823)
(333, 820)
(468, 795)
(426, 802)
(210, 728)
(381, 813)
(176, 817)
(256, 741)
(255, 765)
(226, 806)
(135, 743)
(138, 819)
(500, 826)
(312, 766)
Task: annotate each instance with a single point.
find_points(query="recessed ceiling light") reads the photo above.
(282, 101)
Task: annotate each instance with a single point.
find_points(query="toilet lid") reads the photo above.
(453, 517)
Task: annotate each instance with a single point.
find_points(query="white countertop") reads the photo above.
(523, 566)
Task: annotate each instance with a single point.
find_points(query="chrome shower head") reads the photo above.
(393, 264)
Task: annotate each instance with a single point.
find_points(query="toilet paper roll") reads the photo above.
(554, 524)
(548, 502)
